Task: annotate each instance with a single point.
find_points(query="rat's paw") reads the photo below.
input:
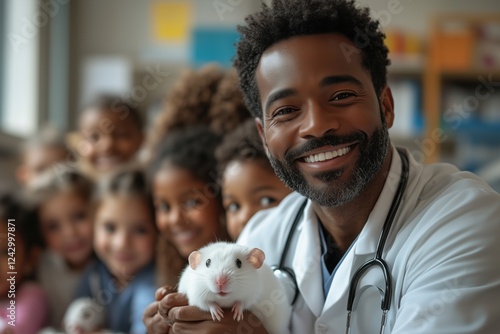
(237, 311)
(216, 312)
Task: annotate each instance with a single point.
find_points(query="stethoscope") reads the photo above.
(287, 276)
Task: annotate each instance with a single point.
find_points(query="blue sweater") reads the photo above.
(123, 308)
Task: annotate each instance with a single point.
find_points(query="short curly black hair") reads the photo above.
(192, 149)
(284, 19)
(116, 104)
(242, 144)
(16, 215)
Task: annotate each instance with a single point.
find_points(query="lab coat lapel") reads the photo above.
(340, 285)
(306, 262)
(366, 244)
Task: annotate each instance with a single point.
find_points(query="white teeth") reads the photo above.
(327, 155)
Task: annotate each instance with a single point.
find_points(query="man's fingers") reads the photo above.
(163, 291)
(150, 311)
(188, 313)
(171, 300)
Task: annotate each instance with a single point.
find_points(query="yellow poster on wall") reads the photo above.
(171, 21)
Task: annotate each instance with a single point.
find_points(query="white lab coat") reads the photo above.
(442, 251)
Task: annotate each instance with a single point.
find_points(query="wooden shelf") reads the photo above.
(448, 50)
(406, 66)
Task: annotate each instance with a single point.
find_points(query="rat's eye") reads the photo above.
(238, 263)
(208, 263)
(86, 315)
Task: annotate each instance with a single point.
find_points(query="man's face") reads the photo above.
(323, 127)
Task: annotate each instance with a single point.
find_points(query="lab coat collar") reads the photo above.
(368, 238)
(306, 262)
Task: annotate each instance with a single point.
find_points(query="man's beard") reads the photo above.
(372, 155)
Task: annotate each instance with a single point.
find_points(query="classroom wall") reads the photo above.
(123, 27)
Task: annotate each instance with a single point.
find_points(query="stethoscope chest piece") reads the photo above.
(288, 280)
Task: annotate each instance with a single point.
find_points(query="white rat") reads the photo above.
(83, 315)
(229, 275)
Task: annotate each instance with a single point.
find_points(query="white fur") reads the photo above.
(85, 314)
(258, 290)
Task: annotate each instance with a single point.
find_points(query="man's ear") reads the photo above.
(387, 105)
(260, 128)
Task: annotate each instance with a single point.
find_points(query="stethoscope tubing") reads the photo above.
(376, 261)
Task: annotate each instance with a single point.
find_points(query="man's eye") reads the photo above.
(283, 111)
(341, 96)
(267, 201)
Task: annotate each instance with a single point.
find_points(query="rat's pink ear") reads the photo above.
(194, 259)
(256, 258)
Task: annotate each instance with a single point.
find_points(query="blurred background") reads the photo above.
(57, 54)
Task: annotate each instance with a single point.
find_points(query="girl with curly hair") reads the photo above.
(249, 183)
(209, 96)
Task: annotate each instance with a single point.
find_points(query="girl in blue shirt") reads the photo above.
(122, 282)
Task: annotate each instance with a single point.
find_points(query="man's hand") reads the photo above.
(155, 316)
(170, 314)
(192, 320)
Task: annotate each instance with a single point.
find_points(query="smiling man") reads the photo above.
(405, 247)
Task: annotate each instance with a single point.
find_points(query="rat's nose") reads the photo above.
(221, 281)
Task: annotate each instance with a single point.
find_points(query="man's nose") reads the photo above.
(318, 121)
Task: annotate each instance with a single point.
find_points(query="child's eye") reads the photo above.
(94, 137)
(163, 207)
(110, 228)
(232, 207)
(140, 230)
(79, 216)
(192, 203)
(267, 201)
(52, 226)
(121, 134)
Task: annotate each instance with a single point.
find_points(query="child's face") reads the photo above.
(112, 138)
(247, 188)
(125, 235)
(17, 248)
(66, 227)
(187, 214)
(36, 160)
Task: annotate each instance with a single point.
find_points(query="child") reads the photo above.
(62, 204)
(187, 197)
(40, 153)
(208, 96)
(249, 183)
(23, 304)
(122, 281)
(111, 131)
